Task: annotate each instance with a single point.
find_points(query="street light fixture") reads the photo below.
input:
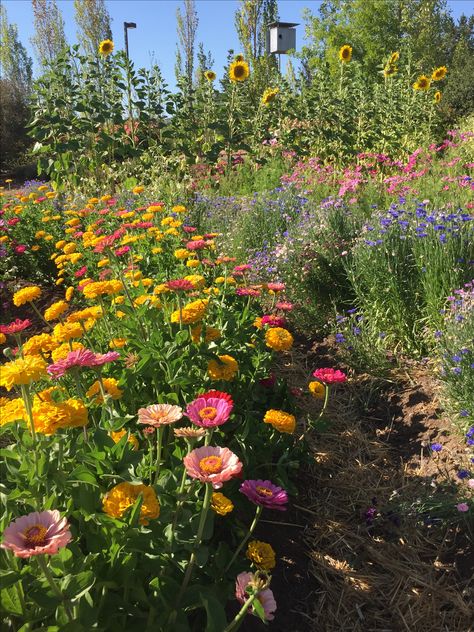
(126, 26)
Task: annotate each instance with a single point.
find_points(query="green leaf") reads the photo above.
(79, 584)
(216, 619)
(83, 474)
(10, 601)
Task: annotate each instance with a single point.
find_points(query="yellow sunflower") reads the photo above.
(439, 73)
(437, 96)
(239, 71)
(422, 83)
(210, 75)
(269, 95)
(345, 53)
(106, 47)
(394, 57)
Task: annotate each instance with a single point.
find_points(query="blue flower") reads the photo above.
(340, 338)
(436, 447)
(462, 474)
(465, 413)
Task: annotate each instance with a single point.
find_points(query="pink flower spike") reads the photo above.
(41, 533)
(209, 412)
(265, 596)
(212, 464)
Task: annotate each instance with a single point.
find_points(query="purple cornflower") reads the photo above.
(436, 447)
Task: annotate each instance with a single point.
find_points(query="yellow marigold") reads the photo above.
(69, 292)
(179, 208)
(55, 310)
(197, 280)
(117, 343)
(26, 295)
(345, 53)
(182, 253)
(224, 368)
(116, 436)
(210, 334)
(138, 189)
(11, 410)
(110, 386)
(74, 258)
(69, 248)
(67, 331)
(106, 47)
(269, 95)
(220, 504)
(261, 554)
(278, 339)
(77, 413)
(93, 312)
(62, 351)
(42, 343)
(192, 263)
(280, 420)
(317, 390)
(124, 495)
(239, 71)
(99, 288)
(46, 395)
(22, 371)
(103, 262)
(439, 73)
(39, 234)
(48, 417)
(422, 83)
(35, 248)
(191, 313)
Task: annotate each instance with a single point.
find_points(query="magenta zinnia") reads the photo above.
(330, 376)
(41, 533)
(265, 494)
(209, 412)
(212, 464)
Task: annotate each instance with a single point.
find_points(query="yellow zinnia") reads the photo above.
(124, 495)
(224, 368)
(22, 371)
(220, 504)
(261, 554)
(278, 339)
(26, 295)
(280, 420)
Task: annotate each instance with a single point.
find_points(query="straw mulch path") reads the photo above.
(401, 573)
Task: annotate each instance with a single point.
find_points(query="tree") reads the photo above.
(251, 21)
(15, 87)
(187, 25)
(49, 39)
(93, 20)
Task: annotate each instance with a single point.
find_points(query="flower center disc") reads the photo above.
(209, 412)
(210, 464)
(35, 535)
(264, 491)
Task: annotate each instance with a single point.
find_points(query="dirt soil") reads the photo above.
(374, 542)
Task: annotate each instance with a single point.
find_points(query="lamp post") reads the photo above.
(126, 26)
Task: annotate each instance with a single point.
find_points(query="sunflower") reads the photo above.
(394, 57)
(239, 57)
(439, 73)
(390, 70)
(437, 97)
(106, 47)
(210, 75)
(269, 95)
(345, 53)
(422, 83)
(239, 71)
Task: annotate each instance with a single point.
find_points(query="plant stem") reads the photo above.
(159, 444)
(244, 541)
(235, 624)
(47, 573)
(326, 399)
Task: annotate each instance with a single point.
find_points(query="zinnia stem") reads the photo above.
(159, 445)
(244, 541)
(235, 624)
(326, 400)
(47, 573)
(197, 542)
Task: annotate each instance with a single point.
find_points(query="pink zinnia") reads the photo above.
(330, 376)
(276, 287)
(122, 251)
(210, 412)
(199, 244)
(81, 272)
(212, 464)
(242, 268)
(265, 494)
(80, 358)
(158, 415)
(189, 229)
(179, 285)
(104, 358)
(462, 507)
(15, 327)
(273, 321)
(247, 291)
(284, 306)
(265, 596)
(37, 534)
(19, 250)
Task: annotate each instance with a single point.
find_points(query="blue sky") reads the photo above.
(155, 35)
